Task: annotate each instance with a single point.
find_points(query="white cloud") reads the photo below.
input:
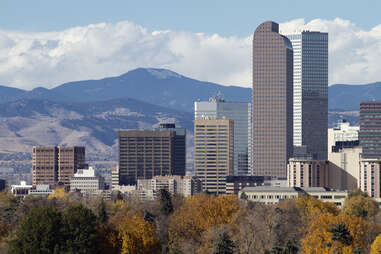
(95, 51)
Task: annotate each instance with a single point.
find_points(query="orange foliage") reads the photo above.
(376, 246)
(310, 207)
(318, 239)
(199, 214)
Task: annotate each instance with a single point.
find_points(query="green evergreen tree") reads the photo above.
(39, 232)
(223, 244)
(79, 230)
(340, 233)
(166, 206)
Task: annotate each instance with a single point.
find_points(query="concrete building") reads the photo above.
(21, 190)
(274, 195)
(52, 164)
(87, 181)
(311, 92)
(43, 190)
(144, 154)
(370, 129)
(343, 132)
(236, 183)
(370, 176)
(183, 185)
(272, 101)
(240, 113)
(305, 172)
(214, 153)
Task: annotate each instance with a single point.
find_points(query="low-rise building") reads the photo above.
(274, 195)
(21, 190)
(87, 181)
(41, 190)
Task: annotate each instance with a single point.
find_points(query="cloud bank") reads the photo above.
(28, 60)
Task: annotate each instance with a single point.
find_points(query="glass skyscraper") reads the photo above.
(240, 113)
(311, 92)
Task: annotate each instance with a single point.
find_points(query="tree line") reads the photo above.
(201, 224)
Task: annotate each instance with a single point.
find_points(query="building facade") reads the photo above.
(370, 177)
(307, 173)
(370, 129)
(272, 101)
(311, 92)
(52, 164)
(144, 154)
(240, 113)
(87, 181)
(214, 153)
(180, 147)
(236, 183)
(343, 132)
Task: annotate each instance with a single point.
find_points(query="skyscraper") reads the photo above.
(213, 153)
(370, 129)
(240, 113)
(311, 92)
(272, 101)
(144, 154)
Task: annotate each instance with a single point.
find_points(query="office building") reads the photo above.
(21, 190)
(343, 132)
(179, 146)
(144, 154)
(182, 185)
(42, 190)
(52, 164)
(87, 181)
(370, 129)
(370, 176)
(306, 172)
(236, 183)
(272, 101)
(274, 195)
(311, 92)
(240, 113)
(214, 153)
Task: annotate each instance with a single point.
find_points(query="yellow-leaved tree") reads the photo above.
(360, 205)
(328, 234)
(376, 246)
(198, 214)
(310, 207)
(138, 236)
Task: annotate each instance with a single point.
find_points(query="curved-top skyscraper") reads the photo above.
(272, 101)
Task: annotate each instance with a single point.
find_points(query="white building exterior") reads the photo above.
(240, 113)
(41, 190)
(311, 91)
(21, 190)
(342, 132)
(274, 195)
(184, 185)
(86, 181)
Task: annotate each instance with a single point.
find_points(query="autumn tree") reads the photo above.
(376, 246)
(138, 236)
(223, 244)
(166, 206)
(360, 205)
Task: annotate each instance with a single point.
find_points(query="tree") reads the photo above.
(102, 212)
(138, 236)
(360, 205)
(79, 230)
(243, 196)
(166, 206)
(39, 232)
(223, 244)
(340, 233)
(376, 246)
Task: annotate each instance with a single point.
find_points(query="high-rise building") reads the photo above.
(214, 153)
(144, 154)
(370, 176)
(52, 164)
(343, 132)
(370, 129)
(180, 147)
(311, 92)
(240, 113)
(272, 101)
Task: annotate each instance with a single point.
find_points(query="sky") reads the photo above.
(46, 43)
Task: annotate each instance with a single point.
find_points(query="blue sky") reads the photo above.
(209, 16)
(49, 42)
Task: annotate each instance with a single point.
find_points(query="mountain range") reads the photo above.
(90, 112)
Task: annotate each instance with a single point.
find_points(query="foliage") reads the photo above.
(61, 194)
(223, 244)
(137, 236)
(39, 232)
(340, 233)
(243, 196)
(376, 245)
(200, 213)
(310, 207)
(360, 206)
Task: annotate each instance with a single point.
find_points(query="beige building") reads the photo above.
(183, 185)
(342, 132)
(52, 164)
(369, 177)
(274, 195)
(214, 153)
(307, 173)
